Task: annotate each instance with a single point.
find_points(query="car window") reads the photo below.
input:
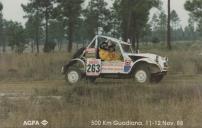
(101, 41)
(117, 49)
(127, 48)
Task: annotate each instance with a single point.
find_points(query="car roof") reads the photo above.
(114, 39)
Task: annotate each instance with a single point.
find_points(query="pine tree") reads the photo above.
(168, 28)
(134, 17)
(174, 19)
(16, 36)
(195, 9)
(1, 26)
(70, 12)
(41, 10)
(97, 17)
(115, 19)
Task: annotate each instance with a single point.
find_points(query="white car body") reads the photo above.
(95, 67)
(118, 66)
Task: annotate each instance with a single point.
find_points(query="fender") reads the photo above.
(147, 60)
(70, 63)
(80, 60)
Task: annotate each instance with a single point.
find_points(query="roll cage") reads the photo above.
(95, 43)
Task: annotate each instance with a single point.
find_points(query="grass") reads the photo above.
(31, 66)
(78, 105)
(34, 89)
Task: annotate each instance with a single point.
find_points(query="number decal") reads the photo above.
(88, 68)
(98, 68)
(93, 68)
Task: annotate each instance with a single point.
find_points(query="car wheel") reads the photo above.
(142, 75)
(73, 75)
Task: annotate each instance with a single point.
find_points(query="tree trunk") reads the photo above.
(128, 22)
(37, 41)
(59, 44)
(137, 42)
(46, 41)
(37, 33)
(133, 41)
(4, 40)
(70, 43)
(4, 46)
(70, 33)
(129, 26)
(168, 28)
(32, 46)
(4, 50)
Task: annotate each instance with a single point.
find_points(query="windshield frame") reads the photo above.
(130, 49)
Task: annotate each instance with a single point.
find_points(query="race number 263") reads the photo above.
(93, 68)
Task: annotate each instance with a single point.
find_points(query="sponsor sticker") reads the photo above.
(90, 50)
(112, 67)
(127, 65)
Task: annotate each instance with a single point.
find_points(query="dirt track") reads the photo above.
(23, 100)
(29, 88)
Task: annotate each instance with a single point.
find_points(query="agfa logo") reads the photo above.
(34, 123)
(31, 122)
(44, 122)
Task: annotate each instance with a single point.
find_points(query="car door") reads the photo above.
(113, 66)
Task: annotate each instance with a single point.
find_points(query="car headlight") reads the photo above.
(166, 59)
(165, 62)
(157, 59)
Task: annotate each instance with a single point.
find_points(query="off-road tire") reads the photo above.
(73, 75)
(142, 74)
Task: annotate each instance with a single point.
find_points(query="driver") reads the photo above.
(107, 51)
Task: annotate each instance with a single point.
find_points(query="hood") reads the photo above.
(162, 62)
(137, 56)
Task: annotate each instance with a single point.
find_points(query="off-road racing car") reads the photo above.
(87, 64)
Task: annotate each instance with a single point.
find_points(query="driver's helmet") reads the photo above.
(111, 46)
(104, 46)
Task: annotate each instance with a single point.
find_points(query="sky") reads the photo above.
(178, 6)
(13, 11)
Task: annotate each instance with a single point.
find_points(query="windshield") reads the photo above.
(127, 48)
